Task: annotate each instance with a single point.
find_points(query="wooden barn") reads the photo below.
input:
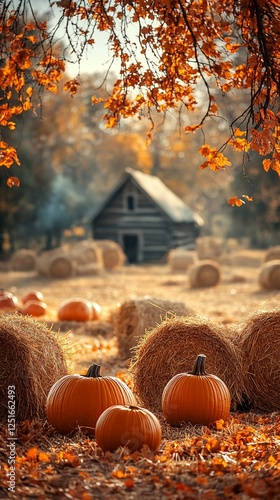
(145, 218)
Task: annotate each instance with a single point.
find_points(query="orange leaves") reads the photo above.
(8, 155)
(215, 160)
(71, 86)
(13, 182)
(238, 202)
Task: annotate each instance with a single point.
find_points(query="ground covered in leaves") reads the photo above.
(237, 459)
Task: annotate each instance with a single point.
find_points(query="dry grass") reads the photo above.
(258, 338)
(32, 358)
(172, 347)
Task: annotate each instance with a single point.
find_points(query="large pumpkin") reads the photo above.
(196, 397)
(34, 308)
(77, 401)
(129, 426)
(76, 309)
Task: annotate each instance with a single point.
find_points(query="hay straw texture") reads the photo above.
(204, 274)
(269, 275)
(55, 264)
(32, 358)
(172, 347)
(23, 260)
(258, 337)
(112, 253)
(272, 253)
(134, 317)
(180, 259)
(86, 252)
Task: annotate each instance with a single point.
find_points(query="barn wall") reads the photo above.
(139, 218)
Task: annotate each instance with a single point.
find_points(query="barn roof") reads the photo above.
(168, 202)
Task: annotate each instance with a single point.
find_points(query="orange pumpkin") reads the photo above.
(129, 426)
(33, 295)
(196, 397)
(75, 309)
(96, 311)
(8, 301)
(34, 308)
(77, 401)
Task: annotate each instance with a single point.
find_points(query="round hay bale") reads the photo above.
(258, 337)
(172, 348)
(269, 275)
(134, 317)
(89, 269)
(55, 264)
(204, 274)
(32, 358)
(23, 260)
(180, 259)
(272, 253)
(113, 255)
(209, 247)
(86, 252)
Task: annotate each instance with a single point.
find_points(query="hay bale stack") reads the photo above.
(258, 337)
(269, 275)
(32, 358)
(55, 264)
(272, 253)
(112, 253)
(208, 247)
(180, 259)
(89, 269)
(23, 260)
(204, 274)
(172, 348)
(134, 317)
(86, 252)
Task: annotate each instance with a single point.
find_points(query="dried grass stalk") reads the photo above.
(23, 260)
(272, 253)
(113, 255)
(32, 358)
(172, 348)
(204, 274)
(258, 338)
(55, 264)
(269, 275)
(134, 317)
(180, 259)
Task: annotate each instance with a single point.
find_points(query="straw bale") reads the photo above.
(172, 348)
(179, 259)
(135, 316)
(113, 255)
(86, 252)
(23, 260)
(269, 275)
(32, 358)
(205, 273)
(208, 247)
(55, 264)
(89, 269)
(258, 338)
(272, 253)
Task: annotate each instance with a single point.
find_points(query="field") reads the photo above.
(236, 459)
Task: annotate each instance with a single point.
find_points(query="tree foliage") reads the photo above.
(165, 52)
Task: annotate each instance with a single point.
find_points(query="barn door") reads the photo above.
(131, 247)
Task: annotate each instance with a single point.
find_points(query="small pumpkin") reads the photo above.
(34, 308)
(196, 397)
(75, 309)
(77, 401)
(130, 426)
(8, 301)
(33, 295)
(96, 311)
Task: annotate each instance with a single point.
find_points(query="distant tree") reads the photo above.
(165, 50)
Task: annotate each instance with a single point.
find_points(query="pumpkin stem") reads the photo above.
(199, 366)
(93, 371)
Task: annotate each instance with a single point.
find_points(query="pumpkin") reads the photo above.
(75, 309)
(96, 311)
(77, 401)
(33, 295)
(8, 301)
(130, 426)
(196, 397)
(34, 308)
